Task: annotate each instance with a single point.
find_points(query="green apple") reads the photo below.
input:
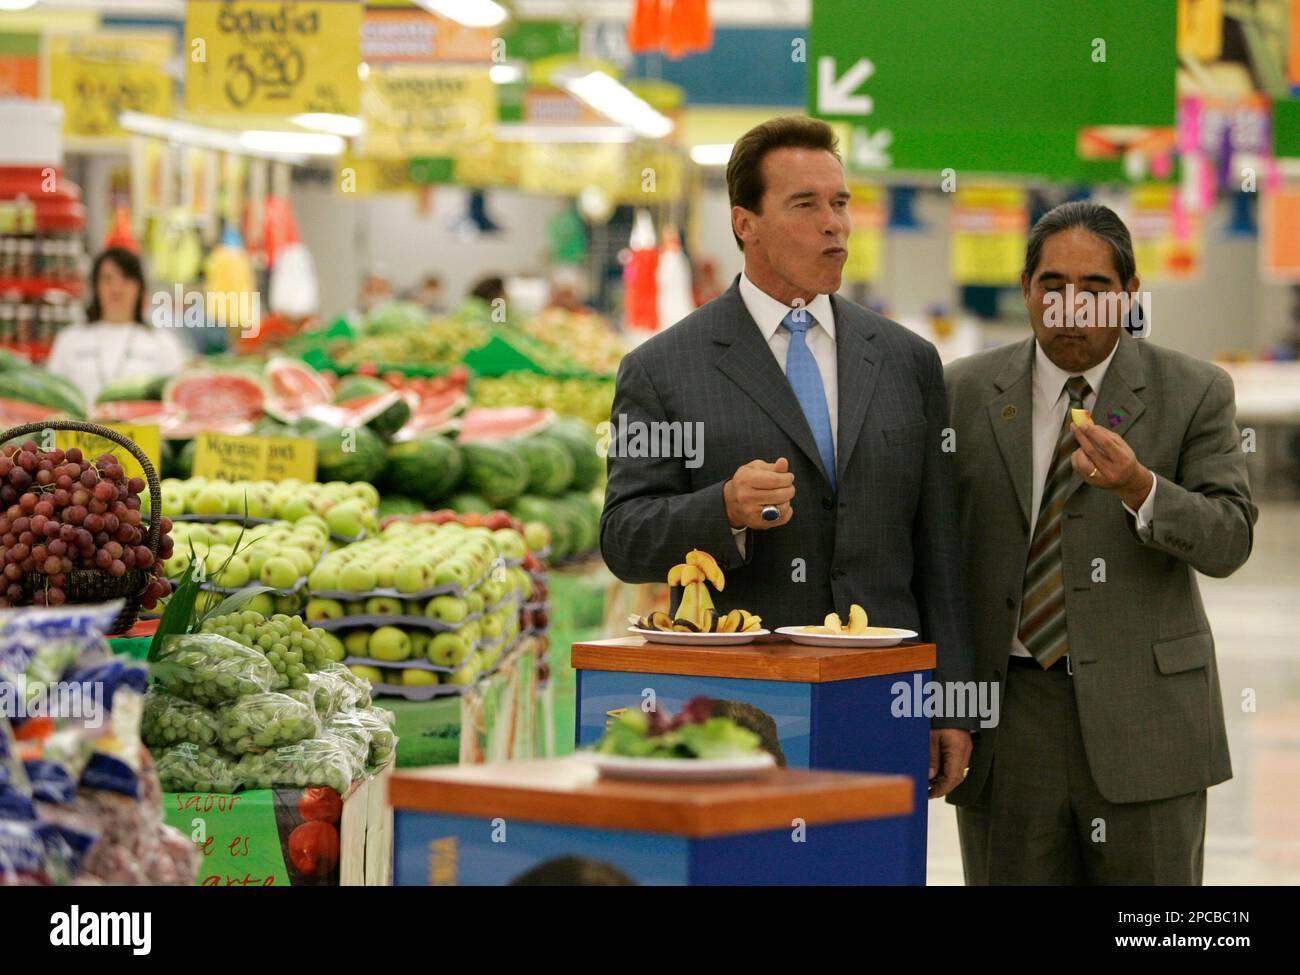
(386, 572)
(383, 606)
(412, 607)
(357, 643)
(488, 656)
(261, 603)
(415, 677)
(493, 626)
(357, 578)
(355, 607)
(474, 602)
(420, 640)
(537, 536)
(509, 543)
(289, 604)
(324, 609)
(300, 558)
(256, 556)
(372, 674)
(324, 577)
(294, 509)
(413, 577)
(278, 572)
(235, 574)
(334, 649)
(345, 518)
(177, 565)
(521, 582)
(472, 631)
(449, 609)
(466, 674)
(389, 643)
(454, 572)
(447, 649)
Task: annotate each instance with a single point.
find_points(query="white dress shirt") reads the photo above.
(768, 313)
(1051, 402)
(93, 356)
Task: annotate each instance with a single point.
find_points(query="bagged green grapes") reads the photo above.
(314, 761)
(188, 767)
(352, 734)
(258, 722)
(209, 669)
(379, 722)
(291, 647)
(169, 720)
(359, 685)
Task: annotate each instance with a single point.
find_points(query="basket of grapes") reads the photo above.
(71, 526)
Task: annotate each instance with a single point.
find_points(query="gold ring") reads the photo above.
(1093, 472)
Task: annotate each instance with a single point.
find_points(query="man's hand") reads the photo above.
(950, 750)
(755, 486)
(1105, 461)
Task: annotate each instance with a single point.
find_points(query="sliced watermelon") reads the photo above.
(14, 412)
(293, 388)
(216, 395)
(130, 411)
(483, 425)
(355, 412)
(179, 427)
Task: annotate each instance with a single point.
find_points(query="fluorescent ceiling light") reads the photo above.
(291, 143)
(716, 154)
(563, 133)
(471, 13)
(348, 126)
(614, 100)
(506, 74)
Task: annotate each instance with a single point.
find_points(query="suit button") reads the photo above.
(828, 503)
(1011, 602)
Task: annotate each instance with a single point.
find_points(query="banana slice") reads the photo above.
(857, 620)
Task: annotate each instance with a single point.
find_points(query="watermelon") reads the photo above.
(363, 461)
(465, 503)
(294, 387)
(580, 440)
(496, 471)
(428, 467)
(589, 509)
(550, 468)
(12, 360)
(584, 535)
(182, 460)
(485, 424)
(394, 504)
(357, 391)
(41, 388)
(133, 388)
(15, 413)
(531, 507)
(218, 395)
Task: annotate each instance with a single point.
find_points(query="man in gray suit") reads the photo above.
(1081, 546)
(794, 389)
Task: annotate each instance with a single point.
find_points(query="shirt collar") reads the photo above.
(768, 313)
(1049, 378)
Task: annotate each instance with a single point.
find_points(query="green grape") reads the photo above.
(188, 767)
(168, 720)
(259, 722)
(311, 762)
(209, 669)
(383, 743)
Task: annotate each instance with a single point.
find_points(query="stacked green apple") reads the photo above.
(348, 509)
(465, 581)
(276, 554)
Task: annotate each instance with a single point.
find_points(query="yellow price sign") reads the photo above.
(96, 76)
(990, 225)
(227, 458)
(426, 110)
(255, 57)
(143, 435)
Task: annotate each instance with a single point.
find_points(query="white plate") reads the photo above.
(679, 769)
(890, 639)
(698, 639)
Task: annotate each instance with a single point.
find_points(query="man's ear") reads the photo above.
(1024, 286)
(742, 223)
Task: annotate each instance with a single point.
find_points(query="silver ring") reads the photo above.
(771, 512)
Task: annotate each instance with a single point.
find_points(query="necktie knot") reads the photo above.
(1078, 389)
(798, 321)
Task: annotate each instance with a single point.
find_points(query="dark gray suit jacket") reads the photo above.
(887, 540)
(1145, 679)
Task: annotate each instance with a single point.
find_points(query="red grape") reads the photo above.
(94, 523)
(14, 592)
(68, 533)
(39, 553)
(114, 550)
(81, 497)
(19, 552)
(135, 485)
(105, 491)
(19, 478)
(63, 482)
(55, 456)
(89, 478)
(6, 465)
(111, 524)
(37, 524)
(58, 547)
(44, 477)
(27, 460)
(74, 455)
(53, 564)
(116, 568)
(143, 556)
(97, 506)
(75, 515)
(44, 507)
(61, 498)
(28, 503)
(128, 558)
(12, 572)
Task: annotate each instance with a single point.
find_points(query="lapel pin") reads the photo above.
(1115, 417)
(1009, 412)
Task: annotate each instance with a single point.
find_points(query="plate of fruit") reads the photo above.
(697, 622)
(856, 633)
(694, 744)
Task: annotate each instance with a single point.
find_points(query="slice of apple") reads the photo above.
(1081, 418)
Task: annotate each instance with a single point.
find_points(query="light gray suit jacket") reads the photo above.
(887, 539)
(1145, 677)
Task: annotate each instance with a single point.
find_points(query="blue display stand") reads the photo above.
(831, 708)
(555, 822)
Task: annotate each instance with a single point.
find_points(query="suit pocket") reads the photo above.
(898, 436)
(1184, 653)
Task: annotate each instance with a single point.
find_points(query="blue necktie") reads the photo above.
(806, 381)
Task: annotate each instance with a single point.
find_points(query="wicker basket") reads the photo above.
(96, 585)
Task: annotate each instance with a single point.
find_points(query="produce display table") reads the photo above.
(554, 821)
(823, 708)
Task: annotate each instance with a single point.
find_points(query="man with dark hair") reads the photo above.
(797, 389)
(1082, 542)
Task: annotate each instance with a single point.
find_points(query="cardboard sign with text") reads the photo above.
(145, 436)
(227, 458)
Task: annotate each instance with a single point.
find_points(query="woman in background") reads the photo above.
(116, 344)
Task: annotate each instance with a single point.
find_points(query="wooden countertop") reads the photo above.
(767, 658)
(568, 791)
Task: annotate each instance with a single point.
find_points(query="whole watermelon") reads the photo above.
(464, 503)
(355, 454)
(531, 507)
(550, 468)
(428, 467)
(395, 504)
(133, 388)
(386, 423)
(182, 459)
(580, 440)
(496, 471)
(584, 536)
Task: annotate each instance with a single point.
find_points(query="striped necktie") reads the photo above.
(806, 381)
(1042, 609)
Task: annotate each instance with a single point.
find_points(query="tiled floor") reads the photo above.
(1253, 834)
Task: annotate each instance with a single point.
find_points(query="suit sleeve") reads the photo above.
(1207, 518)
(937, 583)
(652, 516)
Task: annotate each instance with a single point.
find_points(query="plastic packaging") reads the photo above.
(210, 669)
(383, 742)
(315, 761)
(331, 693)
(169, 720)
(188, 767)
(15, 789)
(360, 686)
(258, 722)
(353, 734)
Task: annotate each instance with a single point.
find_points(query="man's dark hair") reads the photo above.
(744, 168)
(1092, 217)
(489, 289)
(131, 269)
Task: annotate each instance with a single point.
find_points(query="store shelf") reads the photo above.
(38, 287)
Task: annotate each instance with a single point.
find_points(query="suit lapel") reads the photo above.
(749, 363)
(857, 367)
(1118, 405)
(1011, 416)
